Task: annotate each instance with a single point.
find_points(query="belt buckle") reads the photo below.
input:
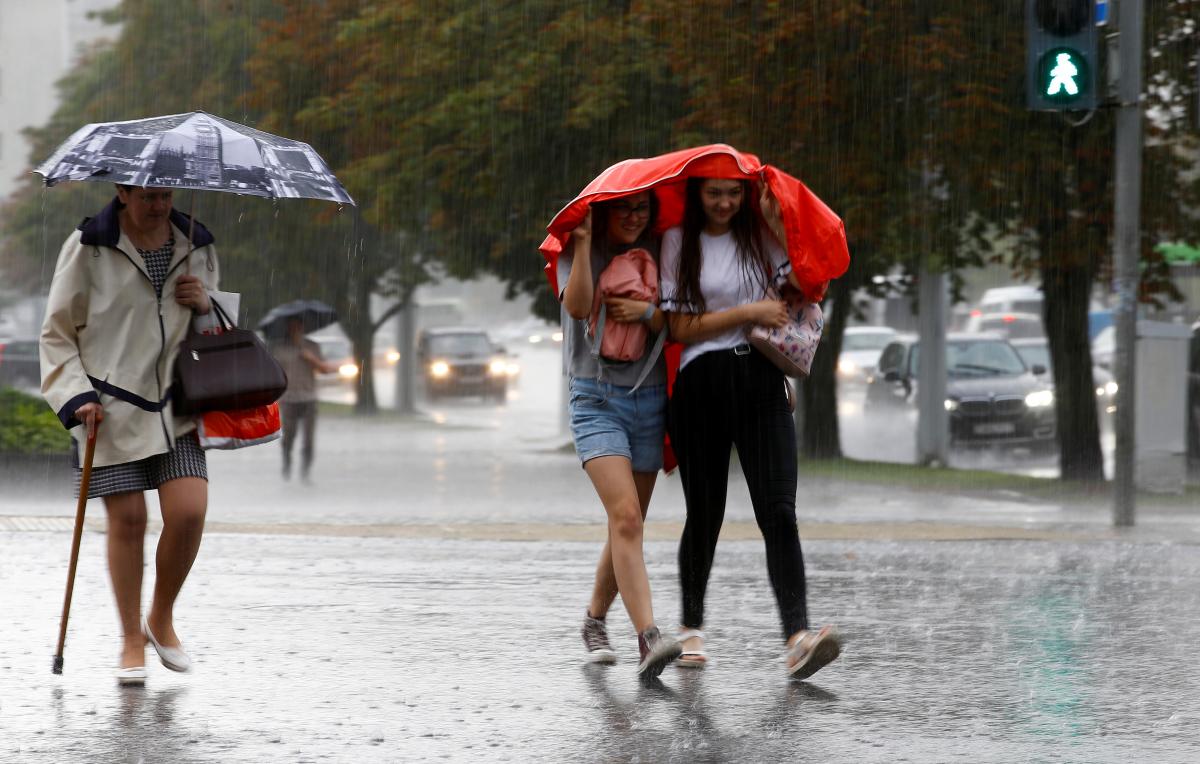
(743, 349)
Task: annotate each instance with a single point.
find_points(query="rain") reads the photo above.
(987, 215)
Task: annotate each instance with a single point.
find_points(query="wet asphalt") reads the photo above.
(421, 601)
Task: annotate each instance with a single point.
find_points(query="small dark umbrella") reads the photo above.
(312, 315)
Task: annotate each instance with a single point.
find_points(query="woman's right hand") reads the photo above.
(91, 414)
(772, 314)
(583, 231)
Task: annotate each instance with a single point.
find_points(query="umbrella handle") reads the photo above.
(84, 483)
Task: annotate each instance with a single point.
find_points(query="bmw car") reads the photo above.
(992, 396)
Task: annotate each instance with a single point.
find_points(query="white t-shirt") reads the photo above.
(722, 282)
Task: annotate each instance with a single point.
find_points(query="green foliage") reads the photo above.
(28, 426)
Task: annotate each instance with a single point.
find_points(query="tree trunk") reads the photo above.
(820, 438)
(356, 319)
(1067, 291)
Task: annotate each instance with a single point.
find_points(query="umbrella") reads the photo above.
(197, 151)
(312, 314)
(816, 237)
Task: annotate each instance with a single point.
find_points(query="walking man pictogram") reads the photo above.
(1063, 76)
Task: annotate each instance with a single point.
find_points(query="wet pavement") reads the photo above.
(421, 601)
(313, 648)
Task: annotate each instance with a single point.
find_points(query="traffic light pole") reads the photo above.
(1126, 250)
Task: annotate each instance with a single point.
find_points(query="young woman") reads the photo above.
(618, 431)
(126, 287)
(716, 271)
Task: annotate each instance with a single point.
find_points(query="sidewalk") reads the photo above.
(413, 645)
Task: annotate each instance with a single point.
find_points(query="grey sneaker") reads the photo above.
(595, 640)
(657, 651)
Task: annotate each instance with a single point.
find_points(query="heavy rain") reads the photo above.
(329, 431)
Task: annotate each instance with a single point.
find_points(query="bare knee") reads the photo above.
(625, 520)
(184, 503)
(126, 516)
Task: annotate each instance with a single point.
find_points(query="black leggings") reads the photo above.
(721, 399)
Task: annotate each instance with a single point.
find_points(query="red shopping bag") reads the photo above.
(228, 430)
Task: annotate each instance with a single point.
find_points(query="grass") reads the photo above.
(944, 479)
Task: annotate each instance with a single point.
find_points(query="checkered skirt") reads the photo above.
(187, 460)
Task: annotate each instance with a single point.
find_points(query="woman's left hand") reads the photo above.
(625, 310)
(771, 214)
(190, 293)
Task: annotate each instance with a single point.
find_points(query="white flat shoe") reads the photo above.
(131, 677)
(173, 658)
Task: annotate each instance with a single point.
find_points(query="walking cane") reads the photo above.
(84, 480)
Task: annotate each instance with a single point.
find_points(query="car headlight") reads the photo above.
(1111, 387)
(512, 368)
(439, 369)
(496, 368)
(1040, 399)
(393, 356)
(847, 368)
(348, 370)
(951, 404)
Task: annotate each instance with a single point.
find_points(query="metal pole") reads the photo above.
(1126, 235)
(932, 422)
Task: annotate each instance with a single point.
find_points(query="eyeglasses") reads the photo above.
(625, 210)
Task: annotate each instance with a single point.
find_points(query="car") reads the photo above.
(992, 396)
(20, 364)
(1020, 298)
(339, 350)
(861, 346)
(1007, 325)
(1036, 353)
(1104, 346)
(463, 361)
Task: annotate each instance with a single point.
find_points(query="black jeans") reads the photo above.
(722, 399)
(296, 417)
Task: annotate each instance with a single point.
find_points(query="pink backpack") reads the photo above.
(633, 275)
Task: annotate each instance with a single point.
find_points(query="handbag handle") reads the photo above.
(222, 317)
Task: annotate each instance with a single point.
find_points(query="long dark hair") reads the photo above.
(646, 240)
(752, 255)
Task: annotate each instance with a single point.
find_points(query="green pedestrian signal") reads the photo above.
(1063, 75)
(1061, 55)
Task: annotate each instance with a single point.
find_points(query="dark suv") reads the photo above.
(19, 365)
(992, 396)
(459, 361)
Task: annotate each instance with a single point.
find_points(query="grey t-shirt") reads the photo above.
(302, 380)
(577, 347)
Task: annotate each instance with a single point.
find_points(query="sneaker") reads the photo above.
(595, 640)
(813, 651)
(657, 651)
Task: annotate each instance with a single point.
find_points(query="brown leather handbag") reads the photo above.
(221, 372)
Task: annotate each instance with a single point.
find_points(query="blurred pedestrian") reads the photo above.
(125, 289)
(618, 430)
(301, 359)
(716, 270)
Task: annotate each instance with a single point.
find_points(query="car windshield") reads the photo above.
(976, 358)
(1013, 328)
(460, 344)
(867, 340)
(1035, 355)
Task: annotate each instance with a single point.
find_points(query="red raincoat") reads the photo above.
(816, 237)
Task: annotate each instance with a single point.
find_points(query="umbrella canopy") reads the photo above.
(816, 237)
(197, 151)
(312, 314)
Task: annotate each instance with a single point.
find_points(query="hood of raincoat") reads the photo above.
(816, 237)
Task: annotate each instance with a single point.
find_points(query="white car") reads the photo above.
(861, 346)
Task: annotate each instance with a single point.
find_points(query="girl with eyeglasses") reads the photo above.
(717, 268)
(618, 430)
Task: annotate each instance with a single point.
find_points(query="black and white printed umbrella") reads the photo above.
(194, 151)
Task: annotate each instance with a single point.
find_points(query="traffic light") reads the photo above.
(1062, 65)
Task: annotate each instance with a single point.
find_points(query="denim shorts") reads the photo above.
(607, 421)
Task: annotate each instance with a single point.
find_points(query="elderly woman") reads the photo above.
(127, 285)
